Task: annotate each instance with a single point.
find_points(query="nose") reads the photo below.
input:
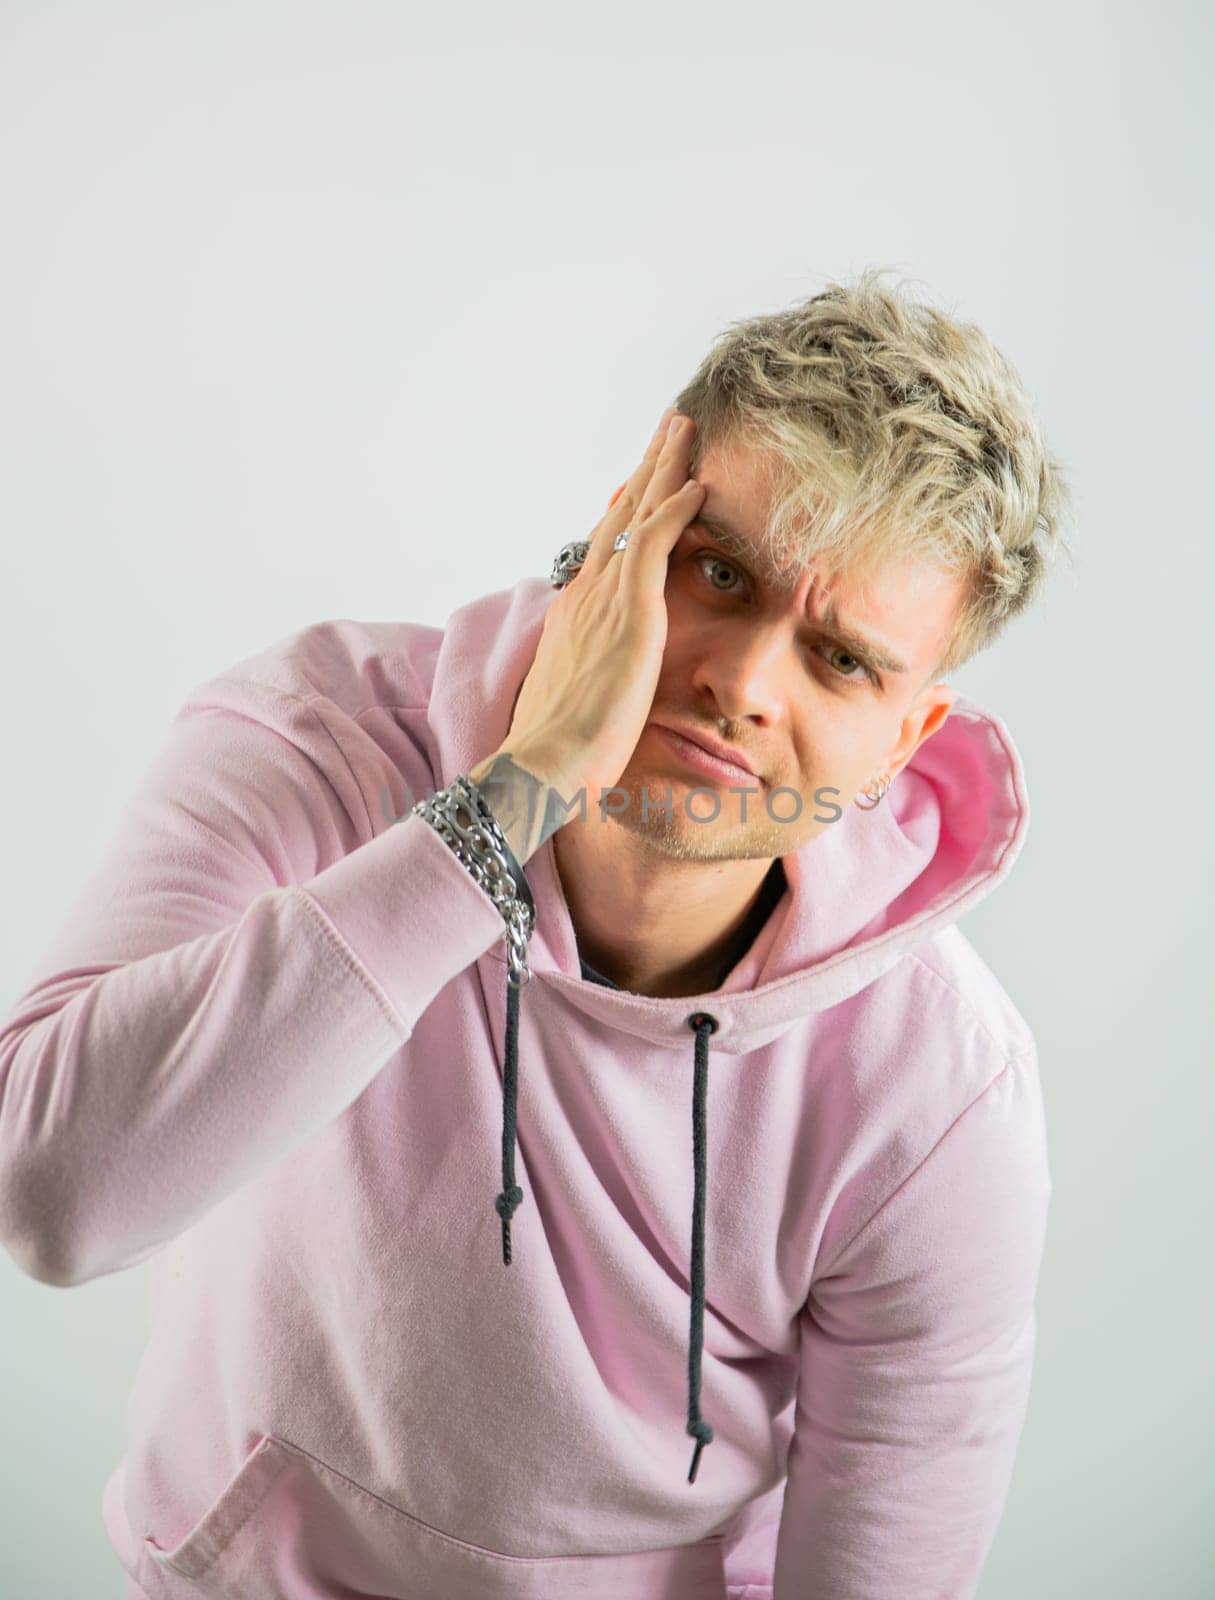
(744, 671)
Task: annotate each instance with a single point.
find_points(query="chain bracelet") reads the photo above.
(461, 817)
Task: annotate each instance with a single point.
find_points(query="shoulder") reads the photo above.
(939, 1001)
(354, 666)
(350, 697)
(966, 990)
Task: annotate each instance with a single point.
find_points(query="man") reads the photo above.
(779, 1129)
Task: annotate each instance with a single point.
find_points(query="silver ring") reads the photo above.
(569, 560)
(571, 557)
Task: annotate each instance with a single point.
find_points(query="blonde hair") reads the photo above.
(887, 432)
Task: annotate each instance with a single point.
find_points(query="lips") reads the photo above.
(711, 757)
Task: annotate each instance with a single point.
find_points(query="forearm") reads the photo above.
(135, 1099)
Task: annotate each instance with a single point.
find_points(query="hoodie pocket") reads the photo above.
(288, 1527)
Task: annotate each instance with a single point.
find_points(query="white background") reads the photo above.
(360, 310)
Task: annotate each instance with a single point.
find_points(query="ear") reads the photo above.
(925, 715)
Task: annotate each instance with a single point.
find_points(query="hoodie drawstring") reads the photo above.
(506, 1203)
(703, 1025)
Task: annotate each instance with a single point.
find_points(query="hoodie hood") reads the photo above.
(858, 896)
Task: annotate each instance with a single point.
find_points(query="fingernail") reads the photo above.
(674, 426)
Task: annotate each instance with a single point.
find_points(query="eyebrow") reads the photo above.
(870, 651)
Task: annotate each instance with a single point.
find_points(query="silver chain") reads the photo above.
(464, 821)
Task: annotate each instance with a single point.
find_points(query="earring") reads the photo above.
(876, 799)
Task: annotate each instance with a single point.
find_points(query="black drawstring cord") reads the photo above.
(703, 1025)
(511, 1196)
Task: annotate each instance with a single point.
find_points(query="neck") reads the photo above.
(654, 925)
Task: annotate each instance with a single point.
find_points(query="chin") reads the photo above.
(699, 837)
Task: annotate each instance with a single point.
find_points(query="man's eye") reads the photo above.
(862, 673)
(706, 558)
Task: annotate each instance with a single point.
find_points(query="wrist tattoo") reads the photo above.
(527, 809)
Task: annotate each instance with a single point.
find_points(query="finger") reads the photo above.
(634, 485)
(622, 508)
(640, 476)
(670, 469)
(643, 562)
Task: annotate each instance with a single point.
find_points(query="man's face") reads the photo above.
(754, 646)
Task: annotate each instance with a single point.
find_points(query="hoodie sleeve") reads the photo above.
(917, 1341)
(213, 999)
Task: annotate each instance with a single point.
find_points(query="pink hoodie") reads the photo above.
(265, 1053)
